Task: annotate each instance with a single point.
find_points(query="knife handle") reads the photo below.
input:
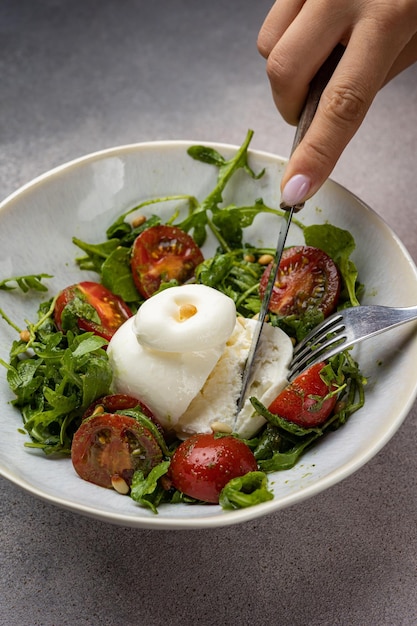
(317, 86)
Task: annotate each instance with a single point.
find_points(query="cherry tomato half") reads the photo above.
(117, 402)
(162, 253)
(203, 464)
(301, 402)
(111, 309)
(307, 279)
(109, 447)
(121, 402)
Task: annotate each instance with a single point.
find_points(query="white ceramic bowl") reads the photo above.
(82, 198)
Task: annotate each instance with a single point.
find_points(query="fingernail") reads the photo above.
(295, 190)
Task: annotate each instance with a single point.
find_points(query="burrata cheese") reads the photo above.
(183, 355)
(165, 353)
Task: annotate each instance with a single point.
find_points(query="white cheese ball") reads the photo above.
(186, 318)
(164, 357)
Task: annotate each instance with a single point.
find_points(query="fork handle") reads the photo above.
(385, 317)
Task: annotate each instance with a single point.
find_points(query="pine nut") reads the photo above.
(220, 427)
(265, 259)
(186, 311)
(138, 221)
(25, 335)
(120, 485)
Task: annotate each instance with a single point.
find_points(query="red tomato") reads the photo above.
(109, 447)
(203, 464)
(117, 402)
(111, 309)
(121, 402)
(307, 278)
(163, 253)
(301, 401)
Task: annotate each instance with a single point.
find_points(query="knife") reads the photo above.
(317, 86)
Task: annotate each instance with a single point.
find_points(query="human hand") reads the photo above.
(297, 36)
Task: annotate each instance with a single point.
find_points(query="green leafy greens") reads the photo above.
(25, 283)
(244, 491)
(56, 375)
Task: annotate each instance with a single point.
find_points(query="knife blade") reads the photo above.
(317, 86)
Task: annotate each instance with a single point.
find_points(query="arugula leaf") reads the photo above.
(75, 309)
(244, 491)
(235, 276)
(199, 218)
(206, 154)
(24, 381)
(116, 275)
(230, 221)
(56, 381)
(149, 424)
(25, 283)
(280, 461)
(96, 253)
(339, 245)
(146, 490)
(123, 231)
(297, 327)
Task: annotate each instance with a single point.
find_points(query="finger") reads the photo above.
(342, 108)
(276, 23)
(300, 52)
(407, 57)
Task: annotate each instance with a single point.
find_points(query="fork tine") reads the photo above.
(325, 327)
(344, 329)
(317, 344)
(315, 339)
(311, 356)
(320, 343)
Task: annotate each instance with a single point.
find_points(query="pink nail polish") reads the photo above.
(295, 190)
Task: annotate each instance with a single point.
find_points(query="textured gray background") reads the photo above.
(82, 75)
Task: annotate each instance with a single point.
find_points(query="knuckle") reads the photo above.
(276, 70)
(345, 104)
(317, 153)
(264, 48)
(287, 100)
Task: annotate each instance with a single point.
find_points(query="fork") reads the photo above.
(344, 329)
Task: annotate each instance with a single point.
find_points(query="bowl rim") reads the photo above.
(221, 518)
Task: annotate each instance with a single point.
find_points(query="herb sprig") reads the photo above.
(25, 283)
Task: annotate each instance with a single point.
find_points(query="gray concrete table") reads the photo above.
(82, 75)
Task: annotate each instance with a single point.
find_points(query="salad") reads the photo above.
(61, 377)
